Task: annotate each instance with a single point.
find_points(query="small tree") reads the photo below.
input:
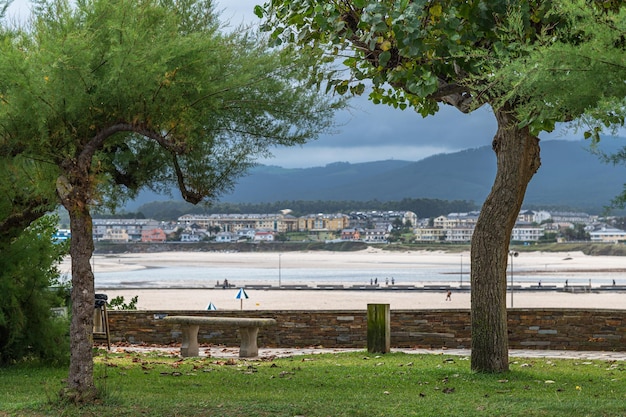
(28, 273)
(119, 95)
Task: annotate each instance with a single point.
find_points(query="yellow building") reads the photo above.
(323, 222)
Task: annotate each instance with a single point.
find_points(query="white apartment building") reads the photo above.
(527, 233)
(459, 228)
(459, 234)
(375, 235)
(457, 220)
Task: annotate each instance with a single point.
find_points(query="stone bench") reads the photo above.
(248, 329)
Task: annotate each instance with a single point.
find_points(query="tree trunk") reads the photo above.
(80, 383)
(517, 153)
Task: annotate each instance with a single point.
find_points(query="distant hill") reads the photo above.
(570, 176)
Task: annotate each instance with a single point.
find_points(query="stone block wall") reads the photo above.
(528, 328)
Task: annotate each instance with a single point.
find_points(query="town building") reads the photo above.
(122, 230)
(606, 234)
(280, 223)
(323, 222)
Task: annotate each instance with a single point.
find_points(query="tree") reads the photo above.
(575, 233)
(421, 54)
(119, 95)
(28, 269)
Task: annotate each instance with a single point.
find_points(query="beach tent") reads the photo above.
(211, 307)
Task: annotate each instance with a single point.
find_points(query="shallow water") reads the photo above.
(165, 277)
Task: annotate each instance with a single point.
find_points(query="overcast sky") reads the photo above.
(368, 132)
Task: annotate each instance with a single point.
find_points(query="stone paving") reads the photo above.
(268, 353)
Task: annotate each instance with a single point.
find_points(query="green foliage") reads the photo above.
(118, 303)
(577, 233)
(119, 95)
(347, 384)
(553, 61)
(28, 268)
(26, 192)
(153, 93)
(574, 72)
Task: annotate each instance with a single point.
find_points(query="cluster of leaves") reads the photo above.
(154, 92)
(574, 72)
(554, 61)
(118, 303)
(28, 278)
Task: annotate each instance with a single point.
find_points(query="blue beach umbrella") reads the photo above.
(241, 294)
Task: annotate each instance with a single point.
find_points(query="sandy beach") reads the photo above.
(542, 263)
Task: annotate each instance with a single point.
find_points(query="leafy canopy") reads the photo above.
(421, 53)
(153, 92)
(575, 72)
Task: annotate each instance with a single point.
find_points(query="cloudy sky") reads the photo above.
(368, 132)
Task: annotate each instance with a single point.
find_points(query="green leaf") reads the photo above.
(258, 11)
(383, 58)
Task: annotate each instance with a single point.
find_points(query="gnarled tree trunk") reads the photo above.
(517, 153)
(75, 194)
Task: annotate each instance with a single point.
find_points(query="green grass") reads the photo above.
(346, 384)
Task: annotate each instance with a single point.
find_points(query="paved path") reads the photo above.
(266, 353)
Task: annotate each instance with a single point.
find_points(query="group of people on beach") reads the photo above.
(375, 281)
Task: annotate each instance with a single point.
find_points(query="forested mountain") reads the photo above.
(570, 177)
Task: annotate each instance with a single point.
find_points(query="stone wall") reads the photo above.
(528, 328)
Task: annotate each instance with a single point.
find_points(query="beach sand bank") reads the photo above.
(198, 299)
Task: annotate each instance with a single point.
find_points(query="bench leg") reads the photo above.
(249, 348)
(189, 347)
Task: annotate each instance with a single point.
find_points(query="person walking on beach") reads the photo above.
(449, 296)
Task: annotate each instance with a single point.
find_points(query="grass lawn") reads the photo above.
(344, 384)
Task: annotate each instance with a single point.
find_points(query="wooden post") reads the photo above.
(378, 328)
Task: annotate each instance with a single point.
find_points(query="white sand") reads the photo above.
(197, 299)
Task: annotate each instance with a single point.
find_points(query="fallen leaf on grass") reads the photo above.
(171, 373)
